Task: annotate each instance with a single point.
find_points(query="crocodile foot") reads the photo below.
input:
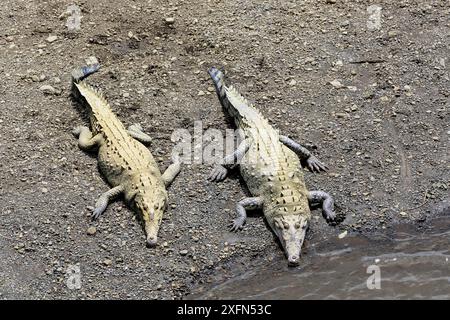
(314, 165)
(237, 224)
(218, 174)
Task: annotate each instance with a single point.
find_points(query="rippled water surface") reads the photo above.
(412, 265)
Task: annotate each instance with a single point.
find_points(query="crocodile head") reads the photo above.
(291, 230)
(151, 213)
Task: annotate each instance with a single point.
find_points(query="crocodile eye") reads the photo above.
(297, 225)
(286, 225)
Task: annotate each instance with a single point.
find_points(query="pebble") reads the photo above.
(292, 83)
(125, 94)
(183, 252)
(44, 190)
(211, 89)
(170, 20)
(51, 38)
(91, 60)
(91, 231)
(48, 89)
(107, 262)
(336, 84)
(403, 213)
(342, 235)
(201, 93)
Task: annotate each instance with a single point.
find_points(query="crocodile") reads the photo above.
(127, 164)
(270, 166)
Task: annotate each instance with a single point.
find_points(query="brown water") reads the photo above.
(412, 265)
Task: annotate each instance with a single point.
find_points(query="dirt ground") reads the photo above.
(372, 103)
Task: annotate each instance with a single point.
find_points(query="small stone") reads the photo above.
(292, 83)
(403, 213)
(211, 89)
(48, 89)
(183, 252)
(170, 20)
(91, 231)
(44, 190)
(407, 88)
(339, 63)
(336, 84)
(91, 60)
(392, 34)
(342, 235)
(125, 94)
(354, 107)
(435, 138)
(51, 38)
(201, 93)
(107, 262)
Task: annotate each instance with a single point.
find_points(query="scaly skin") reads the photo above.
(127, 164)
(272, 172)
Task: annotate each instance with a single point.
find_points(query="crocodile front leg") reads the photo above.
(172, 171)
(105, 199)
(135, 130)
(314, 165)
(229, 162)
(85, 139)
(242, 206)
(326, 200)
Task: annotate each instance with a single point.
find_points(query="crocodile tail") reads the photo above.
(237, 106)
(218, 78)
(80, 74)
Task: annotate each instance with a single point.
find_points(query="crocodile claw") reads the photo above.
(314, 165)
(236, 225)
(218, 174)
(96, 214)
(330, 215)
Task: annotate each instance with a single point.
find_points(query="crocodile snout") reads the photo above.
(151, 241)
(293, 260)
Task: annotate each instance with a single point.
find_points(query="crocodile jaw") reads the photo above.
(151, 231)
(291, 231)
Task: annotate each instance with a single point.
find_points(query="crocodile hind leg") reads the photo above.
(105, 199)
(314, 165)
(172, 171)
(230, 161)
(85, 139)
(321, 197)
(135, 130)
(241, 209)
